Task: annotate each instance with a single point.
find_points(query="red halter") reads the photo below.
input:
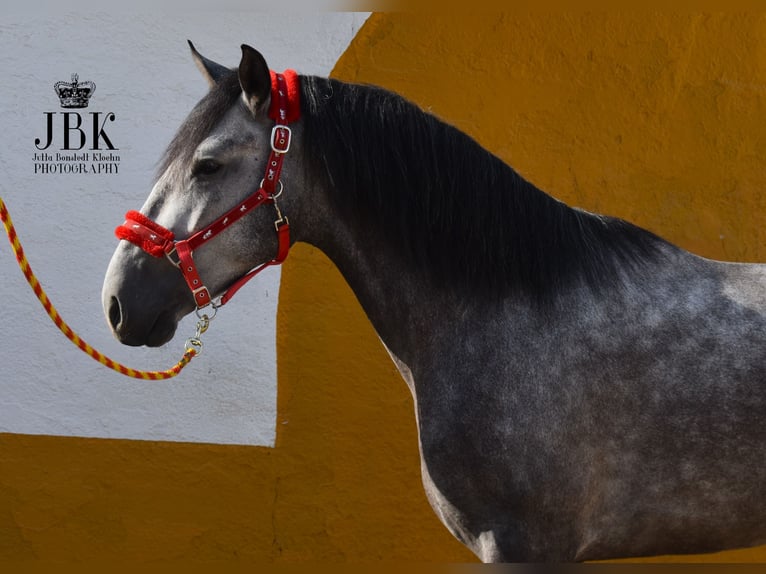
(158, 241)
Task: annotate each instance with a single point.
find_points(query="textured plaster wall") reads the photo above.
(144, 74)
(658, 119)
(654, 118)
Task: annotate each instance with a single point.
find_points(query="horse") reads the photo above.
(583, 388)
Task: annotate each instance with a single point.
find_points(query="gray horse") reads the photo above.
(583, 389)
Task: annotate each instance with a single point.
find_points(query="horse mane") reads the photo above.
(452, 207)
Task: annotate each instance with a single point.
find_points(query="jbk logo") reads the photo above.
(73, 131)
(76, 142)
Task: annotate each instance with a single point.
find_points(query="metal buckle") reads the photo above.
(177, 261)
(281, 219)
(282, 145)
(281, 222)
(207, 296)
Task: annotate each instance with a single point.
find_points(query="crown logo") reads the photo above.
(74, 94)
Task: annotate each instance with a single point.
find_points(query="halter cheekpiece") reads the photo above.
(159, 241)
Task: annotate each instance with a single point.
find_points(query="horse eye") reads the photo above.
(205, 167)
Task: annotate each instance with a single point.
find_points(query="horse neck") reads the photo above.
(441, 223)
(399, 300)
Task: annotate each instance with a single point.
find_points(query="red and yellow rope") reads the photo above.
(67, 330)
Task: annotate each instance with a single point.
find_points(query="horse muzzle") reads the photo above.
(137, 315)
(152, 332)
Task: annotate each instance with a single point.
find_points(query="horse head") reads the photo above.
(217, 169)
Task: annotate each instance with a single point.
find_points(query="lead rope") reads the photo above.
(193, 345)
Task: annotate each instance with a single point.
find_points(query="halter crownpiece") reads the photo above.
(159, 241)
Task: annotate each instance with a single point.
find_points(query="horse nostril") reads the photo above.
(115, 313)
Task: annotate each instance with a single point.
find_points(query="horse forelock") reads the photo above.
(451, 206)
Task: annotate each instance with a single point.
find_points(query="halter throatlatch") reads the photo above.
(159, 241)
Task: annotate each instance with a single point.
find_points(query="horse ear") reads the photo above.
(254, 79)
(212, 71)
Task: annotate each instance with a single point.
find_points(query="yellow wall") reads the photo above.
(657, 119)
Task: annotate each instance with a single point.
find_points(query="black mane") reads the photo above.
(451, 206)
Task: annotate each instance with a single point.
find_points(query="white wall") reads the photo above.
(144, 74)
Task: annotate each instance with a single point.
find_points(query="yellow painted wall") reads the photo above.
(657, 119)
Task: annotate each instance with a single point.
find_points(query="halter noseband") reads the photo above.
(159, 241)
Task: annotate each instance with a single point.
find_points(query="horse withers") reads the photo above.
(583, 388)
